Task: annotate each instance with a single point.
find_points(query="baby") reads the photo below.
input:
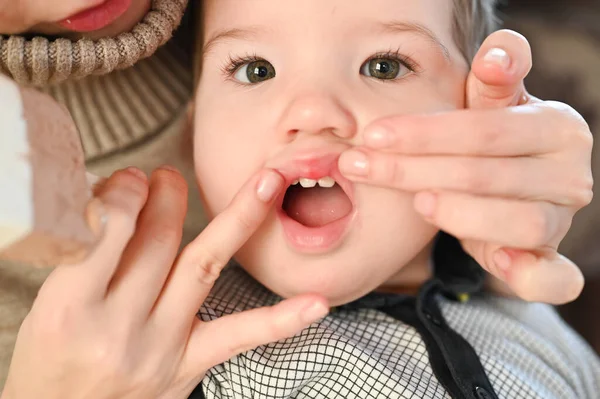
(290, 87)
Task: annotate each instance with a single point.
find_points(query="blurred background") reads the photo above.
(565, 40)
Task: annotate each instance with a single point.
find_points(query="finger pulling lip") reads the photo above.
(97, 17)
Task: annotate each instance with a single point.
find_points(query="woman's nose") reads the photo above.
(317, 114)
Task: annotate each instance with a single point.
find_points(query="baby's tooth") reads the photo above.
(326, 182)
(295, 182)
(307, 183)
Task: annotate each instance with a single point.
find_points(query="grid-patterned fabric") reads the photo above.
(526, 350)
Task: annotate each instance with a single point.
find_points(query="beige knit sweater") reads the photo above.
(40, 62)
(92, 80)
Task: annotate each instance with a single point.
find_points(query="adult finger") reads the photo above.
(201, 262)
(498, 71)
(547, 277)
(146, 262)
(217, 341)
(534, 178)
(487, 219)
(122, 197)
(513, 131)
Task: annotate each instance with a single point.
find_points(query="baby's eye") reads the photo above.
(384, 68)
(255, 72)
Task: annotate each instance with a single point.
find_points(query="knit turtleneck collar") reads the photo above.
(115, 108)
(40, 61)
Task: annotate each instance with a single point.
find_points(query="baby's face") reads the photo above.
(290, 85)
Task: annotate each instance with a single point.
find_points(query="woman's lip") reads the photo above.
(97, 17)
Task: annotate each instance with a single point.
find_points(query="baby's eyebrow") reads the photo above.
(416, 28)
(248, 33)
(235, 33)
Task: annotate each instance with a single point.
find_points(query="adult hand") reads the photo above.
(505, 176)
(123, 323)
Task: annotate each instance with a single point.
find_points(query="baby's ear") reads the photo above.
(498, 71)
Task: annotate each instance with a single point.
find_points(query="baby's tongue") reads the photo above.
(317, 206)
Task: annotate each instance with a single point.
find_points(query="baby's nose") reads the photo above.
(317, 114)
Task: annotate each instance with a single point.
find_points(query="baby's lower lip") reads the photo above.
(97, 17)
(314, 239)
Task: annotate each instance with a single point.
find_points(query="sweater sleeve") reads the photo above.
(40, 61)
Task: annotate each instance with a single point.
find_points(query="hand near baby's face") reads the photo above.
(505, 176)
(123, 323)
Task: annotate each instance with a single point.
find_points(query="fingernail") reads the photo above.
(425, 203)
(314, 312)
(96, 216)
(502, 260)
(354, 163)
(378, 137)
(137, 172)
(499, 57)
(268, 186)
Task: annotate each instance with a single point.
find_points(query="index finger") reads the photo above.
(201, 262)
(504, 132)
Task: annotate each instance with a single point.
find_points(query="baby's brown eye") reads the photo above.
(255, 72)
(383, 68)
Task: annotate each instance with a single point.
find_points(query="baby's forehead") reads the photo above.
(278, 18)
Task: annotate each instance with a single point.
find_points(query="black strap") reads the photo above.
(453, 360)
(198, 393)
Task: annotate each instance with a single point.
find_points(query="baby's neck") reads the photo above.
(411, 277)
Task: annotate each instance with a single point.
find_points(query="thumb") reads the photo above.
(214, 342)
(498, 71)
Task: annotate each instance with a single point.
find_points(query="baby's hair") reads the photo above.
(473, 21)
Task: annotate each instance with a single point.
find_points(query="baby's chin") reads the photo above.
(340, 277)
(335, 296)
(339, 285)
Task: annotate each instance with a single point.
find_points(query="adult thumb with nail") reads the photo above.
(498, 71)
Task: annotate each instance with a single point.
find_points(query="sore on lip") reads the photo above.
(97, 17)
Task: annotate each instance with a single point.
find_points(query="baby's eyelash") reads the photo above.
(404, 59)
(235, 62)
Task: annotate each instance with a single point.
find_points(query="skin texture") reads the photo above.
(41, 16)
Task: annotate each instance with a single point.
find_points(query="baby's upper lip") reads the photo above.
(313, 162)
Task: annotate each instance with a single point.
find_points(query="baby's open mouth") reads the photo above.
(316, 203)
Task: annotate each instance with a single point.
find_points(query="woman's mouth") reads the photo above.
(97, 17)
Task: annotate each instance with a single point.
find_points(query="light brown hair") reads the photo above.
(473, 21)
